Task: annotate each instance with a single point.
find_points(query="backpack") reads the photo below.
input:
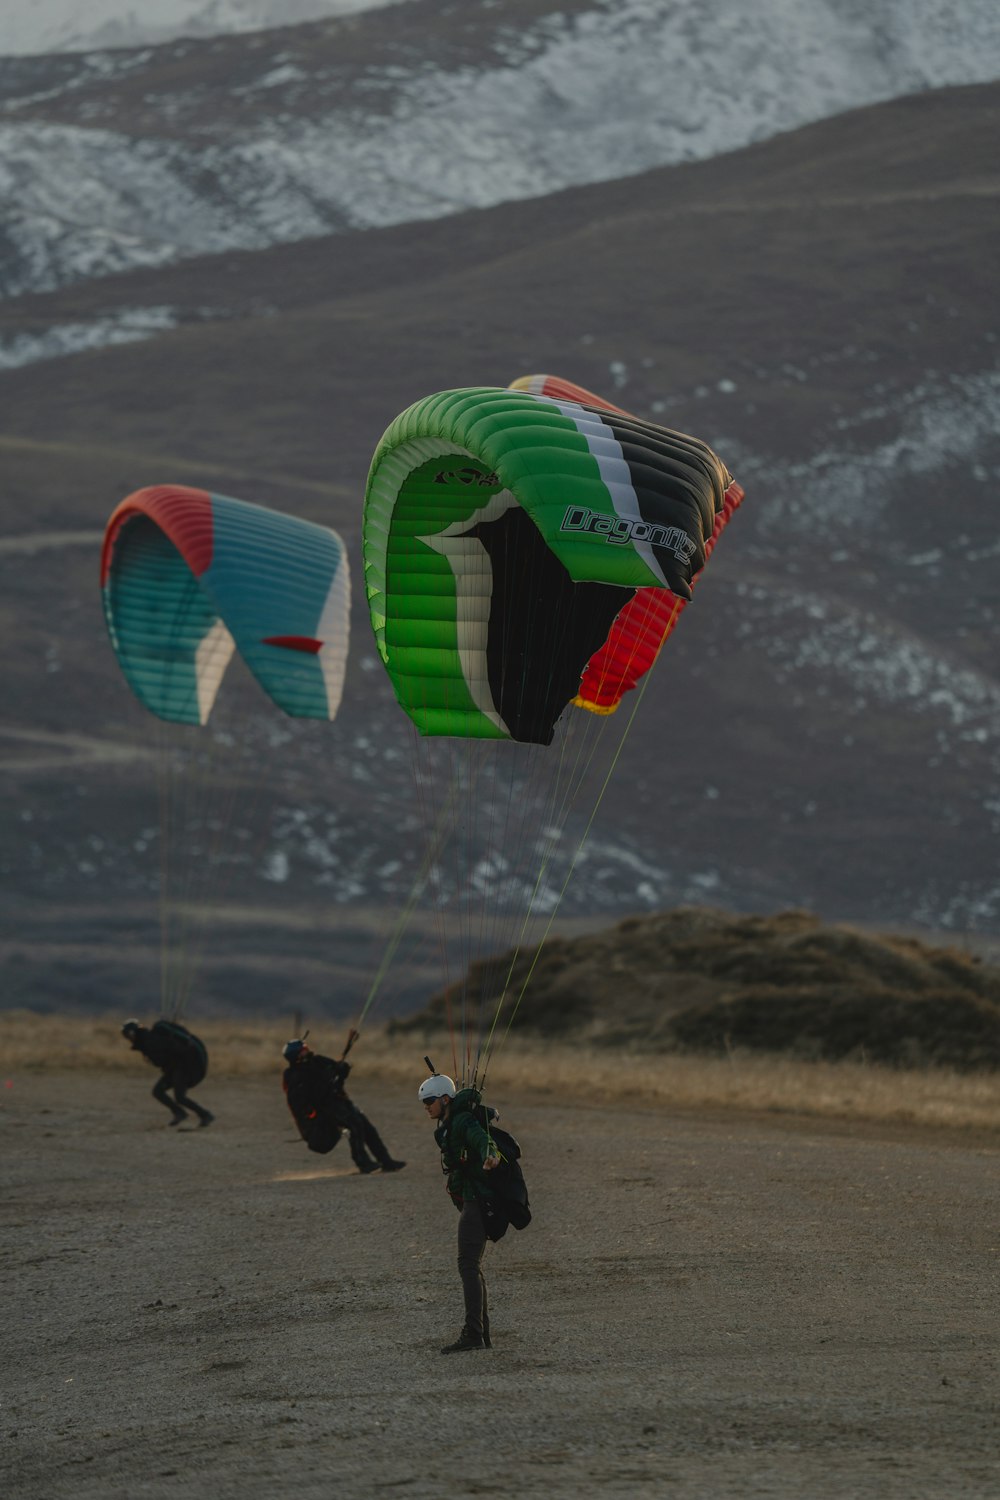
(509, 1203)
(308, 1089)
(189, 1051)
(320, 1134)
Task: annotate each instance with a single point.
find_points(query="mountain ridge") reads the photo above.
(822, 730)
(113, 160)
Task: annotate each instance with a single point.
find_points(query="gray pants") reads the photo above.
(471, 1244)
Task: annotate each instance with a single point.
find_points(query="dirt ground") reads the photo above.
(703, 1307)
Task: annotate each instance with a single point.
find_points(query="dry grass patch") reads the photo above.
(742, 1082)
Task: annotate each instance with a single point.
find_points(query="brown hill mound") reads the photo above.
(701, 979)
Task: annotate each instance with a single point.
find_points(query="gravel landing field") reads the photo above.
(704, 1306)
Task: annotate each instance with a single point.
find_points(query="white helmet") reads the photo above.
(438, 1086)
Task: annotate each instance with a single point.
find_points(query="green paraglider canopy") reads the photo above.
(504, 534)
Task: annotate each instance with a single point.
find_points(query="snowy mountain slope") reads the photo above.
(36, 26)
(116, 160)
(930, 148)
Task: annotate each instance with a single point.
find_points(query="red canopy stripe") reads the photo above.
(294, 642)
(182, 513)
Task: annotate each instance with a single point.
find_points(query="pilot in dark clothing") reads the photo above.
(314, 1088)
(183, 1062)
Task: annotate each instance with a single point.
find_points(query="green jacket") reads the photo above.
(464, 1146)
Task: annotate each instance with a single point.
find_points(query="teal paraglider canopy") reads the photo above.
(188, 578)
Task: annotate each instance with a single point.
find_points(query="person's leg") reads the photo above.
(352, 1120)
(205, 1116)
(375, 1144)
(160, 1092)
(471, 1244)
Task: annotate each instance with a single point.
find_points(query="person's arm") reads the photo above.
(335, 1076)
(481, 1145)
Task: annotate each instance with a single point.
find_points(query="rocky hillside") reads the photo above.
(700, 979)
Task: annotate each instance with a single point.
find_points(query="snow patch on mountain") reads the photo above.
(882, 663)
(843, 490)
(125, 327)
(36, 26)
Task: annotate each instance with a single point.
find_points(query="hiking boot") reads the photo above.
(393, 1166)
(465, 1340)
(206, 1117)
